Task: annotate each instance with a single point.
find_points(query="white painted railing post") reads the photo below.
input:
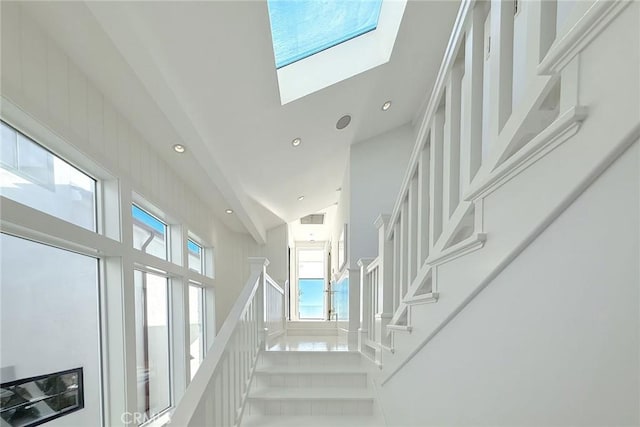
(259, 264)
(385, 283)
(366, 310)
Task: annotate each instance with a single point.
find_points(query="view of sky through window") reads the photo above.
(301, 28)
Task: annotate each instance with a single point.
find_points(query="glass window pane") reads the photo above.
(152, 343)
(9, 153)
(33, 176)
(311, 263)
(49, 315)
(311, 298)
(149, 233)
(195, 256)
(196, 327)
(301, 28)
(341, 299)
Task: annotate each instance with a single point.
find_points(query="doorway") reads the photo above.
(311, 301)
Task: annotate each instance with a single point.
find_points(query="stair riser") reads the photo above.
(299, 332)
(272, 358)
(309, 407)
(342, 380)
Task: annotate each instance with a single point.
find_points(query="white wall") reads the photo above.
(377, 167)
(341, 218)
(276, 251)
(371, 184)
(40, 78)
(554, 339)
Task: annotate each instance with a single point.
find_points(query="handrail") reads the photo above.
(274, 284)
(200, 386)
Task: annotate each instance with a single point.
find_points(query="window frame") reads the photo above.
(111, 243)
(51, 185)
(203, 319)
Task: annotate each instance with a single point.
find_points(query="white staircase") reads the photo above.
(309, 388)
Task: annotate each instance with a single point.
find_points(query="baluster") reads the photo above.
(404, 254)
(436, 157)
(546, 25)
(423, 206)
(218, 420)
(396, 265)
(412, 208)
(225, 391)
(451, 163)
(365, 301)
(471, 133)
(501, 65)
(233, 374)
(386, 270)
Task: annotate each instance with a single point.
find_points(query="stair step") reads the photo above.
(328, 369)
(310, 401)
(311, 421)
(318, 393)
(309, 358)
(310, 379)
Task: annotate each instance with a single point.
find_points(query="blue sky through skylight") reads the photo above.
(301, 28)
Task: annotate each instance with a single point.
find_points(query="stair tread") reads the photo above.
(311, 421)
(319, 351)
(298, 393)
(302, 369)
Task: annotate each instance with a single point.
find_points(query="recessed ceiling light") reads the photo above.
(301, 198)
(179, 148)
(229, 211)
(296, 142)
(343, 122)
(386, 106)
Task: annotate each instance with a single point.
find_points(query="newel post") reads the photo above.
(258, 265)
(366, 311)
(385, 281)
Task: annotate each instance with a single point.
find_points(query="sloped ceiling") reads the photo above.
(203, 74)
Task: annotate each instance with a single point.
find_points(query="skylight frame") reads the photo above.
(354, 56)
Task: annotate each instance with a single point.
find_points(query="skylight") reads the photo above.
(301, 28)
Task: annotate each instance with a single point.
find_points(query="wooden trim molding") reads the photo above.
(594, 20)
(400, 328)
(563, 128)
(431, 297)
(475, 242)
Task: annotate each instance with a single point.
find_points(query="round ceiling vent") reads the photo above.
(343, 122)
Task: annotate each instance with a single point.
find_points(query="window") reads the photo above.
(49, 315)
(33, 176)
(152, 343)
(311, 284)
(36, 400)
(303, 28)
(149, 233)
(196, 327)
(195, 256)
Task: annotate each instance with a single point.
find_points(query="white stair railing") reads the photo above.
(274, 312)
(217, 393)
(505, 96)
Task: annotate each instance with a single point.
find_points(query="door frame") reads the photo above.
(302, 245)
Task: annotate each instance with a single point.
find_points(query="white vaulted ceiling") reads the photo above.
(203, 74)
